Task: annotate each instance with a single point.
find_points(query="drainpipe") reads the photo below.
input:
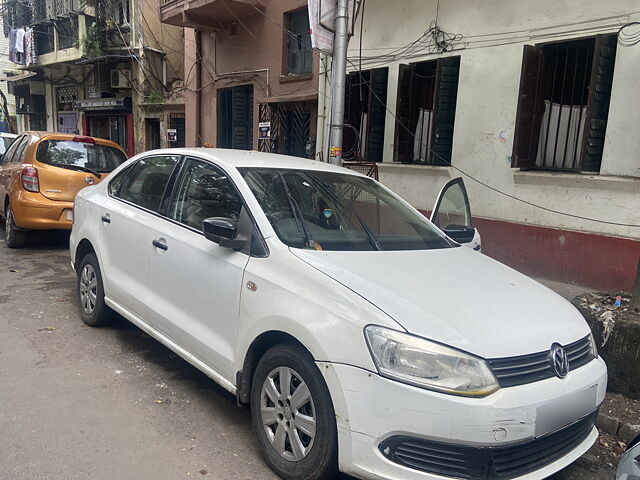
(198, 88)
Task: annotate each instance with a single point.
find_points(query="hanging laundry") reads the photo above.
(13, 53)
(20, 40)
(29, 47)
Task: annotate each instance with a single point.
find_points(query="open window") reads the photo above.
(365, 113)
(426, 109)
(452, 214)
(563, 105)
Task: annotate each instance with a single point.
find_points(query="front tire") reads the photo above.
(13, 237)
(293, 415)
(93, 310)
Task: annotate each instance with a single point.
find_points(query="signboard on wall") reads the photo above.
(172, 135)
(264, 130)
(322, 20)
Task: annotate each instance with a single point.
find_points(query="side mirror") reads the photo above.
(460, 233)
(222, 231)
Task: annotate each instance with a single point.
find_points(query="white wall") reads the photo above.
(5, 65)
(487, 101)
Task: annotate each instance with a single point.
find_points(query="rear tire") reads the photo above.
(93, 310)
(293, 415)
(13, 237)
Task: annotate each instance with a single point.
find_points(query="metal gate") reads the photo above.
(289, 131)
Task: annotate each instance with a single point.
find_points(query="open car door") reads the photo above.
(452, 214)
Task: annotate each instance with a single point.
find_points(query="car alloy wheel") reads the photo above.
(8, 227)
(287, 412)
(88, 289)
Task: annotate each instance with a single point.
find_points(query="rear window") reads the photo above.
(67, 153)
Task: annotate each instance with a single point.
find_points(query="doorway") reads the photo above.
(235, 117)
(110, 127)
(152, 133)
(68, 122)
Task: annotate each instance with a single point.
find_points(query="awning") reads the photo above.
(15, 78)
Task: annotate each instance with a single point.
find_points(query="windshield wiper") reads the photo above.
(331, 192)
(77, 167)
(295, 209)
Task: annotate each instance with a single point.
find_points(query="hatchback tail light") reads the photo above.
(30, 179)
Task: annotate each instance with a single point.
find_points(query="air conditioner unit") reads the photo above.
(120, 78)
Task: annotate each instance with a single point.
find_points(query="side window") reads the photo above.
(203, 191)
(118, 180)
(145, 182)
(17, 157)
(12, 150)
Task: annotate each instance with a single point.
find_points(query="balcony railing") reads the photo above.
(218, 13)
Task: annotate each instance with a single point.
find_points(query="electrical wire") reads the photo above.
(463, 172)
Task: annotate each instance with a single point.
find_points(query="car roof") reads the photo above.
(254, 159)
(8, 135)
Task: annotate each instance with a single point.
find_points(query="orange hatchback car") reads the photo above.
(40, 175)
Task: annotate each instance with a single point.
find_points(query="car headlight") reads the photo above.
(426, 364)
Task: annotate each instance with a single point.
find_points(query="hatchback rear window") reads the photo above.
(82, 155)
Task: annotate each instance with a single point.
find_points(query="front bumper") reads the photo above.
(33, 211)
(371, 409)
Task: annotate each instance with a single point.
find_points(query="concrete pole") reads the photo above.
(339, 64)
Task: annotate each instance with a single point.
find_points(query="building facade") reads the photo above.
(250, 74)
(8, 109)
(105, 69)
(535, 105)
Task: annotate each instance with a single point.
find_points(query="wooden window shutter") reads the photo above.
(404, 134)
(526, 134)
(242, 117)
(604, 56)
(377, 114)
(444, 110)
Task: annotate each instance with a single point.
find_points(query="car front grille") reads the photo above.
(486, 463)
(512, 371)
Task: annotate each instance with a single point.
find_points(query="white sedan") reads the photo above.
(364, 338)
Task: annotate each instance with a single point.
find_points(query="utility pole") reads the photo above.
(339, 67)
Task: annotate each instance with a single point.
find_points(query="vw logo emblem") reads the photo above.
(559, 360)
(89, 180)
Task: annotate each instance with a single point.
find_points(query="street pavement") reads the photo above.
(112, 403)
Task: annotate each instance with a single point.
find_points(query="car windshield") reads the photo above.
(82, 155)
(334, 211)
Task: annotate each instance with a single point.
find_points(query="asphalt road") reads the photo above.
(112, 403)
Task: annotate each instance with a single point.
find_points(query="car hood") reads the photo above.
(457, 297)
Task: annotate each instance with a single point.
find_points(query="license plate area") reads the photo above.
(562, 411)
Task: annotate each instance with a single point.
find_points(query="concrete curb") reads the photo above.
(624, 431)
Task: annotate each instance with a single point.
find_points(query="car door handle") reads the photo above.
(161, 245)
(106, 218)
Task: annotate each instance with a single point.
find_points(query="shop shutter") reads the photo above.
(598, 103)
(526, 134)
(445, 96)
(403, 131)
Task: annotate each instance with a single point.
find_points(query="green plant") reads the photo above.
(155, 97)
(90, 42)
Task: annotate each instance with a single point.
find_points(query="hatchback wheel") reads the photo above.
(293, 415)
(13, 237)
(93, 310)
